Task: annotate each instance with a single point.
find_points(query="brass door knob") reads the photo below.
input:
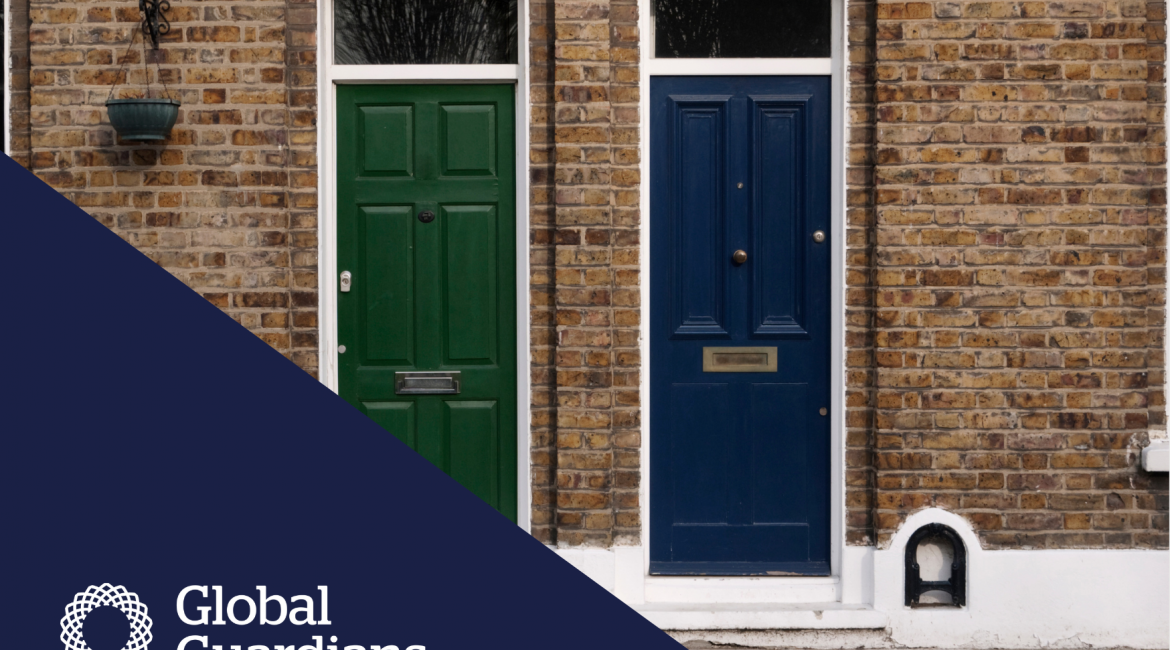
(739, 256)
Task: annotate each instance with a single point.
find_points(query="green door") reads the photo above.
(426, 206)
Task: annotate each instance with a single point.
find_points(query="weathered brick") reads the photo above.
(1004, 240)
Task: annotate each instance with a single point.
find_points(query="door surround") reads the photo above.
(668, 589)
(329, 76)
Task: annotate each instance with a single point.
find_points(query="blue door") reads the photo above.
(740, 325)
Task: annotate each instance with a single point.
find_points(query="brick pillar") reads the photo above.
(1013, 237)
(1156, 256)
(1156, 181)
(625, 246)
(16, 75)
(859, 277)
(301, 163)
(596, 276)
(542, 230)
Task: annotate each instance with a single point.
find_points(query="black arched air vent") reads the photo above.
(956, 586)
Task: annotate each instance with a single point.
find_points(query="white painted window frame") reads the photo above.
(846, 583)
(329, 76)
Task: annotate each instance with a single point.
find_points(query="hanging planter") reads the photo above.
(145, 118)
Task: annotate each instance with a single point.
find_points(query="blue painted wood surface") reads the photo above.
(739, 461)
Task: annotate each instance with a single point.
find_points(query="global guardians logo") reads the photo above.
(106, 595)
(197, 605)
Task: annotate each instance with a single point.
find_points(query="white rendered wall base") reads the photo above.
(1028, 599)
(1016, 599)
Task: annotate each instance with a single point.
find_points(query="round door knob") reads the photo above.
(739, 257)
(819, 236)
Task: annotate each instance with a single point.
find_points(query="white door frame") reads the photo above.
(5, 115)
(776, 589)
(329, 76)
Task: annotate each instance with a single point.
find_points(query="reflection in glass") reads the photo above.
(706, 29)
(425, 31)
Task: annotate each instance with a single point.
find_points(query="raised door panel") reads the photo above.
(472, 433)
(468, 139)
(780, 470)
(387, 284)
(469, 249)
(396, 417)
(698, 216)
(701, 452)
(387, 140)
(778, 218)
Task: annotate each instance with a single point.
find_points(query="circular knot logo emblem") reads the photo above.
(73, 623)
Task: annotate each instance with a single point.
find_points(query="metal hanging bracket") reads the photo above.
(154, 20)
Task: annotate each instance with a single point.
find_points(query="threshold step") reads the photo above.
(761, 616)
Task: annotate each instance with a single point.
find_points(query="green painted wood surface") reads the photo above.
(438, 295)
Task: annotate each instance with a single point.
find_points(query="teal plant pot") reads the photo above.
(143, 119)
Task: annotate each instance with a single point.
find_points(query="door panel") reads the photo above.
(778, 420)
(701, 141)
(469, 140)
(395, 417)
(432, 293)
(470, 253)
(472, 434)
(778, 127)
(701, 452)
(740, 455)
(387, 140)
(388, 285)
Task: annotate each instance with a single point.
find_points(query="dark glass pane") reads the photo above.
(424, 31)
(742, 29)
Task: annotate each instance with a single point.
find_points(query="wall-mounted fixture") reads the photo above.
(154, 19)
(145, 118)
(938, 536)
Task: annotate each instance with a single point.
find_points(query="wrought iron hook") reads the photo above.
(154, 21)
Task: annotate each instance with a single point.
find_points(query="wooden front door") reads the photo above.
(739, 325)
(427, 313)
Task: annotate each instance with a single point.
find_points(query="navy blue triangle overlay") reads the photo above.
(151, 442)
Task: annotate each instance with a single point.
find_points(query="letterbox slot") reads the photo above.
(426, 383)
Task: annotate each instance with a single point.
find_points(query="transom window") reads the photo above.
(742, 29)
(382, 32)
